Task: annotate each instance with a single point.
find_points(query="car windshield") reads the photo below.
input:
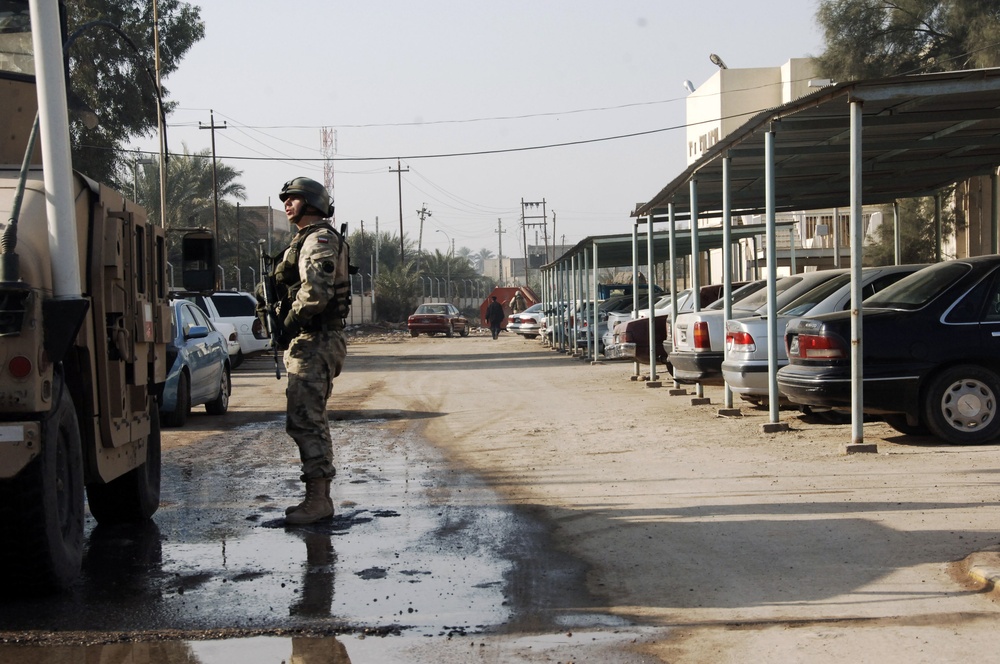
(803, 303)
(739, 295)
(533, 308)
(759, 299)
(918, 289)
(665, 301)
(439, 309)
(233, 306)
(16, 54)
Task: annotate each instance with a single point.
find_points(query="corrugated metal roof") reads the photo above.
(919, 135)
(616, 250)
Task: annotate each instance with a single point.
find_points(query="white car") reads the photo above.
(232, 339)
(527, 323)
(240, 311)
(699, 338)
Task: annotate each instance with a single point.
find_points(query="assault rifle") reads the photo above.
(268, 288)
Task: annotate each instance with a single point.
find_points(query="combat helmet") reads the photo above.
(313, 192)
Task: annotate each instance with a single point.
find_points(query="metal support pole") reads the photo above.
(772, 277)
(727, 266)
(635, 284)
(699, 389)
(672, 237)
(994, 212)
(897, 241)
(857, 235)
(652, 300)
(937, 228)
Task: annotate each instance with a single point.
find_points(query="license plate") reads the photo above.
(12, 433)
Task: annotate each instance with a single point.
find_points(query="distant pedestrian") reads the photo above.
(517, 303)
(495, 316)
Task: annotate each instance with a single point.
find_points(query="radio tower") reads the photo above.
(329, 150)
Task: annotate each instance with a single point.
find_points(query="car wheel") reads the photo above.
(135, 496)
(238, 360)
(220, 404)
(414, 333)
(898, 422)
(465, 330)
(450, 332)
(42, 507)
(179, 416)
(960, 405)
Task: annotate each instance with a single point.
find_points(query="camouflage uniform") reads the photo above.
(315, 356)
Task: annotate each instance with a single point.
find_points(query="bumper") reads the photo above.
(705, 368)
(424, 328)
(748, 377)
(621, 352)
(885, 393)
(19, 444)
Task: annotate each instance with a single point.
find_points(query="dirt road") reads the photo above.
(561, 512)
(726, 539)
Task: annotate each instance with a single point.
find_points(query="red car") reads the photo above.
(435, 317)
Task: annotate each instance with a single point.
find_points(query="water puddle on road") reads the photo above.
(608, 647)
(417, 550)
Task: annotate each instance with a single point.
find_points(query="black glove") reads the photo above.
(289, 330)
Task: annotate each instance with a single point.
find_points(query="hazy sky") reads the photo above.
(432, 81)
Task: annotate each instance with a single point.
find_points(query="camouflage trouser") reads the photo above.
(312, 361)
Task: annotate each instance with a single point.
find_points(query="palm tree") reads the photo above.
(190, 202)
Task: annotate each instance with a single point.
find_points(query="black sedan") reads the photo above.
(931, 353)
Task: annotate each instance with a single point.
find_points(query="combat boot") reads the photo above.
(292, 508)
(316, 506)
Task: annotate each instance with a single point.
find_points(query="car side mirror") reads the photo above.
(196, 332)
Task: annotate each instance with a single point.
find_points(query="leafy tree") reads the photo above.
(917, 232)
(875, 38)
(396, 291)
(190, 203)
(484, 255)
(363, 250)
(109, 76)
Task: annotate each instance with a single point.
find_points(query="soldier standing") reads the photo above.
(312, 275)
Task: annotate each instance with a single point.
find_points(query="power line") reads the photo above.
(473, 153)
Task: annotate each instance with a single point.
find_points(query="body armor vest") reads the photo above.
(286, 275)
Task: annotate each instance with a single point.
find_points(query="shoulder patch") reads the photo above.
(323, 240)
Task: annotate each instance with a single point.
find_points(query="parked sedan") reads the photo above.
(931, 353)
(698, 338)
(630, 340)
(746, 366)
(435, 317)
(528, 323)
(199, 366)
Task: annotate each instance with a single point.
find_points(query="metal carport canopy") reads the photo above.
(616, 250)
(920, 135)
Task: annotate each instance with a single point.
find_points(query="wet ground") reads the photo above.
(418, 550)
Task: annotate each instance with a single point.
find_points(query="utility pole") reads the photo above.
(524, 229)
(500, 232)
(215, 186)
(399, 180)
(239, 275)
(554, 236)
(424, 213)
